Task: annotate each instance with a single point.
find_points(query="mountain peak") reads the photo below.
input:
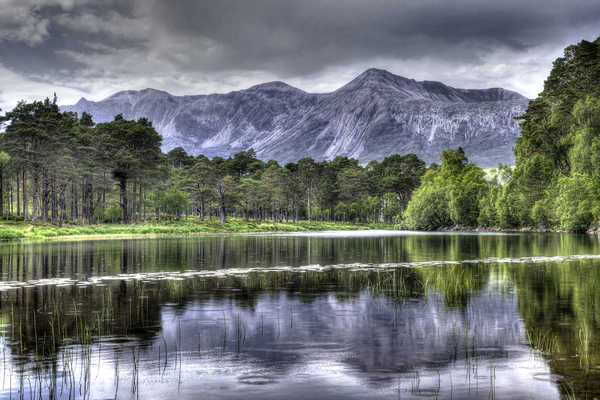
(275, 85)
(153, 91)
(131, 94)
(82, 102)
(374, 78)
(376, 73)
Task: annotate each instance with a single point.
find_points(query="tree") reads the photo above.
(245, 162)
(353, 182)
(132, 149)
(274, 184)
(450, 194)
(224, 187)
(178, 158)
(428, 208)
(308, 171)
(174, 201)
(32, 138)
(400, 175)
(4, 159)
(249, 192)
(577, 204)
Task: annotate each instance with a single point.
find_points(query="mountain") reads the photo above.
(376, 114)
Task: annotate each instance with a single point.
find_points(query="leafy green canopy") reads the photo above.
(556, 180)
(449, 194)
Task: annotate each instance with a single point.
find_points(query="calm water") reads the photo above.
(334, 315)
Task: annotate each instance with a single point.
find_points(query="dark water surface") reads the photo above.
(331, 315)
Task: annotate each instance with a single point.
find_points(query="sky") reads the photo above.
(93, 48)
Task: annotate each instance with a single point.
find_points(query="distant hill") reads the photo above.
(376, 114)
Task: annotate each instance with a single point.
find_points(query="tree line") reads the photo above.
(63, 168)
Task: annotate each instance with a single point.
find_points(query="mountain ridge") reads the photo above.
(375, 114)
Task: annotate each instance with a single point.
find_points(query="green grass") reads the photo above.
(12, 230)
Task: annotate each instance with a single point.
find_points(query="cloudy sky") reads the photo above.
(92, 48)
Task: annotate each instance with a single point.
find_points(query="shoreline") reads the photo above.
(12, 231)
(39, 232)
(480, 229)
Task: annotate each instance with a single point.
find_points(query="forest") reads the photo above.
(63, 168)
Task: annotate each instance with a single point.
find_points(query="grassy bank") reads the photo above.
(12, 230)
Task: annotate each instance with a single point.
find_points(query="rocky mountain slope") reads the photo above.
(374, 115)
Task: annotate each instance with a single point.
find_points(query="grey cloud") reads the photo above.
(304, 36)
(191, 46)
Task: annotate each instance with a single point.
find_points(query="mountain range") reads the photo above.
(376, 114)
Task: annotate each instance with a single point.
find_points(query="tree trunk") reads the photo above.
(88, 200)
(45, 195)
(54, 200)
(1, 192)
(133, 202)
(124, 205)
(104, 192)
(18, 194)
(10, 199)
(72, 200)
(25, 199)
(223, 217)
(36, 194)
(98, 201)
(141, 203)
(62, 205)
(309, 202)
(202, 208)
(75, 206)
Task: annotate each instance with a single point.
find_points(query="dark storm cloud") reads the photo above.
(305, 36)
(94, 47)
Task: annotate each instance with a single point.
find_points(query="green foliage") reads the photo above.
(392, 208)
(577, 203)
(4, 159)
(548, 119)
(113, 214)
(132, 151)
(540, 214)
(449, 194)
(585, 152)
(80, 172)
(488, 215)
(173, 201)
(428, 207)
(466, 195)
(557, 171)
(397, 174)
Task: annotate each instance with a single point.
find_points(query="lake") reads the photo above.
(334, 315)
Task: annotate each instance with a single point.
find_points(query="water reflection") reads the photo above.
(475, 330)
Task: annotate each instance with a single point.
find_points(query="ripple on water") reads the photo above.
(548, 377)
(241, 272)
(257, 379)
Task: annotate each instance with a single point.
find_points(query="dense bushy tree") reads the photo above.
(450, 194)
